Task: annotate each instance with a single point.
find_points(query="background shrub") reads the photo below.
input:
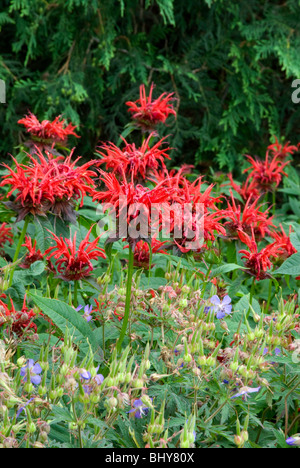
(230, 65)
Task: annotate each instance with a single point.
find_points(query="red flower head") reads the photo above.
(33, 254)
(258, 262)
(73, 261)
(6, 235)
(47, 132)
(197, 217)
(132, 206)
(287, 248)
(281, 151)
(134, 162)
(142, 252)
(147, 113)
(48, 184)
(21, 320)
(267, 174)
(248, 218)
(249, 189)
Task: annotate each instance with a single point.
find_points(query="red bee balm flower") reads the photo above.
(284, 240)
(282, 151)
(248, 189)
(21, 320)
(74, 262)
(131, 206)
(56, 131)
(48, 184)
(267, 174)
(248, 218)
(33, 254)
(132, 161)
(258, 262)
(147, 113)
(193, 215)
(142, 252)
(6, 235)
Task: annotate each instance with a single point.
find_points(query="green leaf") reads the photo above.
(290, 267)
(66, 318)
(61, 414)
(37, 268)
(225, 269)
(153, 283)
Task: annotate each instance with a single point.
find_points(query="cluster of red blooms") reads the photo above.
(73, 260)
(265, 175)
(46, 133)
(192, 213)
(48, 184)
(21, 320)
(250, 221)
(135, 180)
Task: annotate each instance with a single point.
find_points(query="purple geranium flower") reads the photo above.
(294, 441)
(35, 370)
(87, 312)
(140, 409)
(244, 392)
(222, 308)
(277, 351)
(87, 377)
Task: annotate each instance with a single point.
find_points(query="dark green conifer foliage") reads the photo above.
(230, 64)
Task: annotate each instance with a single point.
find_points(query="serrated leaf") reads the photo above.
(290, 267)
(65, 317)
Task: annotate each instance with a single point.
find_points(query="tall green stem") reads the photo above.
(16, 256)
(75, 303)
(128, 299)
(269, 296)
(251, 296)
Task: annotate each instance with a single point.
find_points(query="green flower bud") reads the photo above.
(21, 362)
(112, 402)
(31, 428)
(185, 444)
(94, 398)
(187, 358)
(183, 303)
(238, 440)
(52, 395)
(211, 361)
(73, 426)
(202, 360)
(29, 387)
(138, 383)
(245, 436)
